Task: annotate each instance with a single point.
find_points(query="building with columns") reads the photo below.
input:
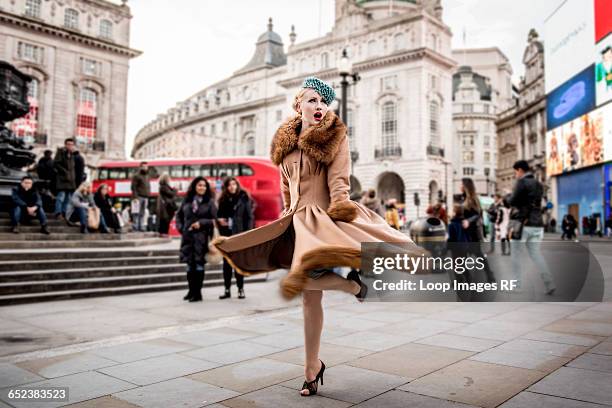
(78, 53)
(482, 88)
(521, 129)
(399, 113)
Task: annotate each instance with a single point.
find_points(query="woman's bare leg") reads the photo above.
(332, 281)
(313, 327)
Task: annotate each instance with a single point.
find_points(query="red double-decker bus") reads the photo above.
(259, 176)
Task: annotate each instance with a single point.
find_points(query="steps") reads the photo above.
(66, 264)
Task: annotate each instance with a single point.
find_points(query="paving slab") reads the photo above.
(140, 350)
(475, 383)
(495, 330)
(155, 369)
(279, 396)
(415, 329)
(536, 346)
(604, 348)
(203, 338)
(564, 338)
(179, 392)
(368, 340)
(403, 399)
(459, 342)
(522, 359)
(107, 401)
(250, 375)
(577, 383)
(228, 353)
(12, 375)
(596, 362)
(580, 327)
(352, 384)
(66, 364)
(82, 386)
(593, 316)
(533, 400)
(411, 360)
(331, 354)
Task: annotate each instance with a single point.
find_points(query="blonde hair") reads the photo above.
(298, 98)
(83, 187)
(164, 178)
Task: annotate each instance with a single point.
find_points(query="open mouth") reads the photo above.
(318, 115)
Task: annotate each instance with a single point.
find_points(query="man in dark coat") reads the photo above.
(46, 170)
(65, 179)
(141, 192)
(26, 200)
(526, 198)
(79, 168)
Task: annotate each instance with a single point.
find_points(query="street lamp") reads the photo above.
(345, 70)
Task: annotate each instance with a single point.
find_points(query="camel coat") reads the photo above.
(320, 227)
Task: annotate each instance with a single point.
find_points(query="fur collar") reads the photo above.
(321, 142)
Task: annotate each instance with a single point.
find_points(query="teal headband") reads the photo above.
(327, 92)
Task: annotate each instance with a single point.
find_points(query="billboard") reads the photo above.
(570, 42)
(603, 19)
(603, 71)
(582, 142)
(573, 98)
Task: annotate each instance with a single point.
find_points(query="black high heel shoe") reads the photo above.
(354, 276)
(313, 386)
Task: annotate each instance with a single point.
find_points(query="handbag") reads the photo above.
(93, 217)
(213, 256)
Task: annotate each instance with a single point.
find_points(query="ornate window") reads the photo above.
(87, 117)
(27, 127)
(32, 8)
(468, 156)
(106, 29)
(90, 67)
(30, 52)
(71, 19)
(389, 125)
(434, 124)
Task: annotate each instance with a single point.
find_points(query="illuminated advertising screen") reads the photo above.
(570, 42)
(603, 19)
(572, 99)
(603, 71)
(582, 142)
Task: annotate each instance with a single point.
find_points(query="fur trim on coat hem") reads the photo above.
(323, 257)
(342, 211)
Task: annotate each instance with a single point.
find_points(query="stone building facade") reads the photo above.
(482, 88)
(399, 113)
(78, 53)
(521, 129)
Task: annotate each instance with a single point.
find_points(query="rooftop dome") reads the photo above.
(269, 52)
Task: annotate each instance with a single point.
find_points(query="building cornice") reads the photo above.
(74, 36)
(138, 143)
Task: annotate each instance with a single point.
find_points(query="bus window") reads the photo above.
(119, 173)
(246, 170)
(228, 170)
(153, 172)
(206, 170)
(161, 170)
(176, 171)
(102, 174)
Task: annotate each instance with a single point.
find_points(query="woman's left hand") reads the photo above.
(465, 224)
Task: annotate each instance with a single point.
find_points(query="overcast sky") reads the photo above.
(189, 47)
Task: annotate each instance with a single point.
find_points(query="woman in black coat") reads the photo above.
(195, 221)
(166, 204)
(105, 203)
(235, 216)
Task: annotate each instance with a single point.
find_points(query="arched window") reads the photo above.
(32, 8)
(399, 42)
(106, 29)
(26, 127)
(434, 124)
(87, 117)
(71, 19)
(389, 126)
(324, 60)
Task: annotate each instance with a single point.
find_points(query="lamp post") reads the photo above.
(345, 70)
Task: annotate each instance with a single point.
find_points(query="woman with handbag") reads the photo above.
(195, 221)
(473, 224)
(108, 212)
(166, 204)
(235, 216)
(82, 208)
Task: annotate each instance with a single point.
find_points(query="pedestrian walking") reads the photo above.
(392, 215)
(107, 210)
(492, 213)
(141, 191)
(370, 201)
(65, 177)
(27, 202)
(235, 216)
(527, 226)
(195, 221)
(501, 226)
(166, 204)
(320, 229)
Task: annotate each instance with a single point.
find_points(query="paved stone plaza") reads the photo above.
(154, 350)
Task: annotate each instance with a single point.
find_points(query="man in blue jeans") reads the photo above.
(26, 200)
(526, 198)
(141, 191)
(65, 176)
